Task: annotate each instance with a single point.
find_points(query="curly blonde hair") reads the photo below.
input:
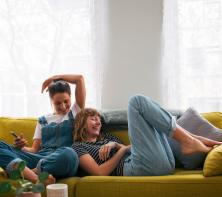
(80, 124)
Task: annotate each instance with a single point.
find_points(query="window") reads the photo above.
(39, 39)
(192, 54)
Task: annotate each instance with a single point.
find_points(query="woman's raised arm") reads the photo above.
(78, 80)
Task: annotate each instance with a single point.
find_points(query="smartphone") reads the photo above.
(13, 134)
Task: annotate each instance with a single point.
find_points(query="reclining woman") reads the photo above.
(51, 149)
(149, 152)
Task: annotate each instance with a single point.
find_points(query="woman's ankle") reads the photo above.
(30, 175)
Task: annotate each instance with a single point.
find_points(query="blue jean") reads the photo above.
(56, 157)
(149, 125)
(61, 162)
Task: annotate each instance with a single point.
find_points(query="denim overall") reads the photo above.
(55, 157)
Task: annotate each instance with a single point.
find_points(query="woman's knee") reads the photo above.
(70, 158)
(65, 158)
(69, 153)
(138, 101)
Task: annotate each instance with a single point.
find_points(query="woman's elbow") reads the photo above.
(100, 173)
(81, 79)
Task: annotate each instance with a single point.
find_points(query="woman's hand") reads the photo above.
(20, 142)
(126, 148)
(207, 141)
(46, 83)
(105, 150)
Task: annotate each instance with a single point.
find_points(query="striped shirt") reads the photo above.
(92, 148)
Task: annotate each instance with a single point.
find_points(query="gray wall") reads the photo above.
(133, 52)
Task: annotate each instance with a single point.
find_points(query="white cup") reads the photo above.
(57, 190)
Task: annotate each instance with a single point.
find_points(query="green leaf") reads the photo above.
(15, 174)
(38, 188)
(19, 191)
(21, 166)
(27, 184)
(5, 187)
(43, 176)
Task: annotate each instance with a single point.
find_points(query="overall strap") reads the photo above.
(70, 115)
(42, 120)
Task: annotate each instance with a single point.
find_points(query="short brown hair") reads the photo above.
(59, 86)
(80, 125)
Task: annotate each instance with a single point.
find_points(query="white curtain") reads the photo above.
(40, 38)
(192, 54)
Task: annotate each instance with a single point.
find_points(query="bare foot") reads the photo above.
(207, 141)
(35, 170)
(50, 180)
(194, 145)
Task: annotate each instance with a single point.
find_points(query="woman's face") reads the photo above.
(61, 103)
(93, 126)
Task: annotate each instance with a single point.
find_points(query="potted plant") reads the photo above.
(22, 187)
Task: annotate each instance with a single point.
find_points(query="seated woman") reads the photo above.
(149, 152)
(51, 148)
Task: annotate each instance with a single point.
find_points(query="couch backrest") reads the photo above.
(27, 126)
(18, 125)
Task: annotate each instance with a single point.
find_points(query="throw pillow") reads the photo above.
(213, 162)
(192, 121)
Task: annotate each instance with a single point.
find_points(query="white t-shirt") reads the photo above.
(55, 118)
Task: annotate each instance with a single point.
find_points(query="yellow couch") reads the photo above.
(181, 183)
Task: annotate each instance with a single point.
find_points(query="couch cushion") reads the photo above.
(192, 121)
(213, 162)
(180, 184)
(71, 182)
(19, 125)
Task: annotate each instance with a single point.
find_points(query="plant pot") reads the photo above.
(29, 194)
